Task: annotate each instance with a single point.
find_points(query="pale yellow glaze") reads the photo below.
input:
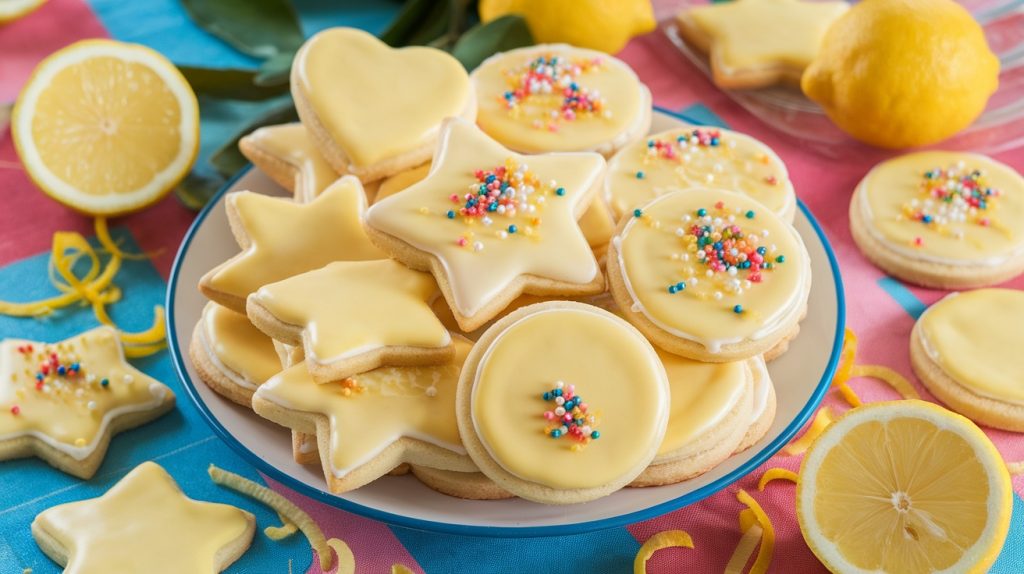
(975, 337)
(750, 35)
(378, 407)
(284, 238)
(555, 248)
(246, 353)
(377, 102)
(615, 371)
(144, 523)
(640, 172)
(652, 257)
(893, 191)
(291, 144)
(352, 307)
(71, 413)
(626, 101)
(401, 181)
(702, 394)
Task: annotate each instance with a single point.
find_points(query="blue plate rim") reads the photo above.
(755, 461)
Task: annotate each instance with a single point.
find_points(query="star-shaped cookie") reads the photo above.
(491, 224)
(370, 423)
(281, 238)
(63, 401)
(755, 43)
(144, 523)
(354, 316)
(288, 155)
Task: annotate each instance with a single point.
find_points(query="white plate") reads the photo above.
(801, 378)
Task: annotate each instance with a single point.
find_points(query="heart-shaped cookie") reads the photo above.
(375, 110)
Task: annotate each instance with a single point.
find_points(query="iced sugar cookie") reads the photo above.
(693, 156)
(372, 110)
(967, 350)
(469, 485)
(230, 355)
(354, 316)
(948, 220)
(368, 424)
(556, 97)
(514, 391)
(491, 224)
(710, 275)
(280, 238)
(755, 43)
(62, 402)
(306, 450)
(144, 523)
(762, 413)
(287, 154)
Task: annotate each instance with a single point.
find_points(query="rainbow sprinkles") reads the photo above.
(553, 84)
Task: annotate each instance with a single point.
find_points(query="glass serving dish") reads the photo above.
(1000, 127)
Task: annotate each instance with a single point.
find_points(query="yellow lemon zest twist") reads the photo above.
(663, 539)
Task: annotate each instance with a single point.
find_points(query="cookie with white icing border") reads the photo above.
(373, 110)
(306, 450)
(763, 406)
(468, 485)
(519, 377)
(556, 97)
(710, 275)
(62, 402)
(946, 220)
(966, 350)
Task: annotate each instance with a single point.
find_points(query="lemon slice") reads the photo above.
(106, 127)
(904, 486)
(11, 10)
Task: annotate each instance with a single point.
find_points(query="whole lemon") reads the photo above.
(903, 73)
(596, 24)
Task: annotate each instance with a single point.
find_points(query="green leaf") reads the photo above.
(434, 25)
(227, 159)
(484, 40)
(230, 83)
(406, 22)
(259, 28)
(275, 71)
(196, 189)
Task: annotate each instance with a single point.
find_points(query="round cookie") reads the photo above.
(710, 275)
(947, 220)
(468, 485)
(230, 355)
(966, 350)
(556, 97)
(523, 371)
(762, 412)
(696, 156)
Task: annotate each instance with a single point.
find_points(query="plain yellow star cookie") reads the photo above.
(288, 155)
(354, 316)
(755, 43)
(281, 238)
(491, 224)
(63, 401)
(144, 523)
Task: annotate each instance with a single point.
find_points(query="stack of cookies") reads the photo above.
(499, 280)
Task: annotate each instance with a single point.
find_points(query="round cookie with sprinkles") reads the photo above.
(703, 157)
(966, 349)
(556, 97)
(562, 402)
(947, 220)
(710, 275)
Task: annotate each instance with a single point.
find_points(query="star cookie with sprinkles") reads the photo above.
(281, 238)
(288, 155)
(354, 316)
(491, 224)
(62, 402)
(144, 523)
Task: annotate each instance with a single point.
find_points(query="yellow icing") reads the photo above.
(626, 102)
(72, 412)
(653, 256)
(291, 144)
(553, 248)
(283, 238)
(893, 192)
(144, 523)
(975, 337)
(401, 181)
(376, 408)
(238, 346)
(377, 102)
(352, 307)
(614, 370)
(640, 172)
(750, 35)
